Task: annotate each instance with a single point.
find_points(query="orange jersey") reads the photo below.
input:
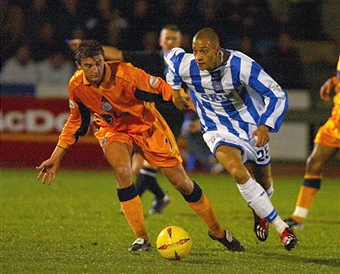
(329, 133)
(124, 112)
(115, 101)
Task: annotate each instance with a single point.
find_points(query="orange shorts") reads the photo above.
(329, 134)
(157, 145)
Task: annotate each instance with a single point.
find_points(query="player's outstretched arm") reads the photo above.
(48, 168)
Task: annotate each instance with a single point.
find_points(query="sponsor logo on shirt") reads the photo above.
(217, 97)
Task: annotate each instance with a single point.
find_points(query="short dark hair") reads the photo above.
(208, 33)
(88, 48)
(172, 27)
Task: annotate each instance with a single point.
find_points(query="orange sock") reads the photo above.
(306, 197)
(203, 208)
(133, 212)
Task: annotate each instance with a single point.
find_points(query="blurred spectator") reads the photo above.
(20, 68)
(258, 21)
(247, 46)
(42, 43)
(98, 16)
(284, 64)
(140, 22)
(184, 14)
(209, 14)
(36, 17)
(72, 18)
(56, 69)
(232, 22)
(116, 28)
(199, 155)
(131, 24)
(150, 41)
(280, 10)
(12, 29)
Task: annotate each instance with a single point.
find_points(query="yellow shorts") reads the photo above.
(157, 145)
(329, 134)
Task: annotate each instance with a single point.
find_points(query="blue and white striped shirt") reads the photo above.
(237, 96)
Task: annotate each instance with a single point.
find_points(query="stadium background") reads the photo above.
(30, 124)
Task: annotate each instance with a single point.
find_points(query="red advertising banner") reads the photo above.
(29, 132)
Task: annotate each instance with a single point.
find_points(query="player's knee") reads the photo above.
(184, 185)
(123, 174)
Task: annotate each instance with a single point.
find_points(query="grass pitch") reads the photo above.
(74, 226)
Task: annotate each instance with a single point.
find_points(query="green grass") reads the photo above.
(74, 226)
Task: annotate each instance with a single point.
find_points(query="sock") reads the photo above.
(308, 190)
(145, 178)
(201, 205)
(270, 191)
(258, 200)
(131, 204)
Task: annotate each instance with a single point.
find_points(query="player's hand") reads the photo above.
(262, 135)
(73, 43)
(48, 171)
(180, 102)
(327, 88)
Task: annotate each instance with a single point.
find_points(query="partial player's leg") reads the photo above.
(263, 176)
(254, 193)
(119, 157)
(197, 200)
(315, 164)
(146, 180)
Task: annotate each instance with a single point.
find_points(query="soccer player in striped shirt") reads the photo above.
(238, 104)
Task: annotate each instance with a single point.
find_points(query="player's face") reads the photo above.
(93, 69)
(206, 54)
(169, 39)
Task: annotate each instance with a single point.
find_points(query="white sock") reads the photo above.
(301, 212)
(270, 191)
(257, 198)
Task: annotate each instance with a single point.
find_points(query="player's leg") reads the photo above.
(231, 158)
(197, 200)
(263, 176)
(315, 164)
(137, 165)
(119, 156)
(146, 180)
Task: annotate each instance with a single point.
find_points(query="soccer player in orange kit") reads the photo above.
(326, 145)
(117, 93)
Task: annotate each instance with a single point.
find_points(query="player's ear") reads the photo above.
(78, 64)
(218, 50)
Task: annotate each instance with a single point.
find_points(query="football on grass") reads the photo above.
(174, 243)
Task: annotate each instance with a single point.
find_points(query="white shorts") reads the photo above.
(250, 153)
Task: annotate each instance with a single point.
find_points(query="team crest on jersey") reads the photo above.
(153, 80)
(103, 143)
(106, 106)
(71, 104)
